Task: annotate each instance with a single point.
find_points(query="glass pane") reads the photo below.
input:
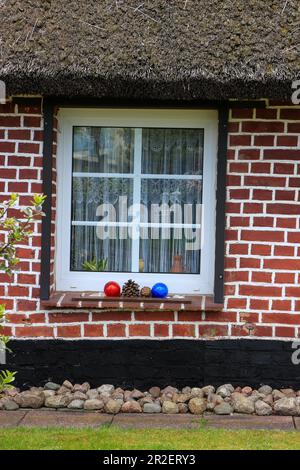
(177, 194)
(103, 149)
(89, 193)
(172, 151)
(171, 255)
(111, 254)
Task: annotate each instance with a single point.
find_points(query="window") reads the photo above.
(136, 198)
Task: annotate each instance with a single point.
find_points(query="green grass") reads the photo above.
(114, 438)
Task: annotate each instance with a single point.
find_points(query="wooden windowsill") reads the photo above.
(96, 300)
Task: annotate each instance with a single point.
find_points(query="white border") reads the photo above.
(175, 118)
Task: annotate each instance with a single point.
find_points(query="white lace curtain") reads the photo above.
(172, 152)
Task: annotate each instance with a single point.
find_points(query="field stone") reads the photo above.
(247, 391)
(79, 396)
(197, 392)
(225, 390)
(10, 405)
(268, 399)
(48, 393)
(30, 399)
(169, 407)
(242, 404)
(197, 405)
(265, 389)
(208, 389)
(67, 384)
(182, 408)
(154, 392)
(223, 409)
(169, 390)
(181, 397)
(277, 395)
(136, 394)
(286, 406)
(131, 407)
(58, 401)
(186, 390)
(93, 404)
(144, 400)
(106, 388)
(113, 406)
(92, 394)
(76, 405)
(288, 392)
(51, 386)
(262, 408)
(63, 390)
(152, 408)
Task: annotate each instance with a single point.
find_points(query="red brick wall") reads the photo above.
(262, 238)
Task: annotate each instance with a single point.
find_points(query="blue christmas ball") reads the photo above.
(159, 290)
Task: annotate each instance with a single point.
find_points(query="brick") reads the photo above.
(242, 113)
(261, 330)
(253, 208)
(284, 318)
(294, 182)
(287, 140)
(294, 127)
(69, 331)
(15, 160)
(294, 237)
(213, 330)
(284, 250)
(34, 332)
(139, 330)
(239, 330)
(185, 330)
(29, 109)
(285, 223)
(236, 303)
(68, 317)
(259, 304)
(282, 208)
(260, 291)
(264, 181)
(263, 127)
(248, 154)
(261, 250)
(111, 316)
(282, 264)
(238, 249)
(93, 330)
(250, 263)
(238, 167)
(28, 173)
(236, 276)
(16, 187)
(233, 127)
(285, 195)
(154, 316)
(19, 134)
(223, 316)
(284, 332)
(262, 235)
(161, 330)
(285, 278)
(266, 113)
(239, 221)
(262, 195)
(10, 121)
(239, 140)
(264, 140)
(32, 121)
(263, 221)
(290, 114)
(284, 305)
(116, 330)
(18, 291)
(292, 291)
(261, 276)
(281, 154)
(27, 305)
(26, 147)
(239, 194)
(233, 180)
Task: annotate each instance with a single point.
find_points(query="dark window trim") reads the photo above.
(223, 108)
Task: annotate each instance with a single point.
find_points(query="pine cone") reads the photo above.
(130, 289)
(145, 292)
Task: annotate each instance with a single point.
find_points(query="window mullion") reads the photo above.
(135, 253)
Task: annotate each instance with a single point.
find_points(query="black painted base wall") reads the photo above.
(144, 363)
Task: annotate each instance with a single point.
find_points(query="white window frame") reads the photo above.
(67, 280)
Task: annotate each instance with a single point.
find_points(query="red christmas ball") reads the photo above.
(112, 289)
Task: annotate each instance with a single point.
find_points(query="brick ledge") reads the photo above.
(95, 300)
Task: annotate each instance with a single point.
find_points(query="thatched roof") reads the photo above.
(163, 49)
